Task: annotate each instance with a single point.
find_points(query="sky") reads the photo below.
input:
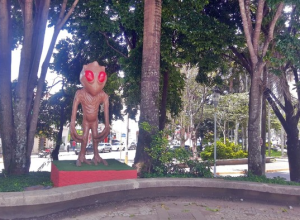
(51, 78)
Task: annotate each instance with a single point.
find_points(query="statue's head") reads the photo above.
(93, 78)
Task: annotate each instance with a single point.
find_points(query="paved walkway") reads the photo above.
(280, 167)
(182, 209)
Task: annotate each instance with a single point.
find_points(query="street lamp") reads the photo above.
(215, 99)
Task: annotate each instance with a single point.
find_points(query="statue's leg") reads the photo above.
(96, 159)
(81, 156)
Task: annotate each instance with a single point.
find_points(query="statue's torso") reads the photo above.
(90, 104)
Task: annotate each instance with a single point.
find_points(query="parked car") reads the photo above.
(186, 147)
(89, 149)
(117, 146)
(104, 147)
(132, 146)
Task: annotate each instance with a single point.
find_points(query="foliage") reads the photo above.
(224, 151)
(50, 111)
(208, 137)
(231, 108)
(166, 162)
(102, 31)
(18, 183)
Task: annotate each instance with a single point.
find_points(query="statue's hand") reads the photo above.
(101, 136)
(74, 135)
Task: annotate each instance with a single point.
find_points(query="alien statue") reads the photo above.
(91, 96)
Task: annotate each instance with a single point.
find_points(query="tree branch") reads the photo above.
(275, 98)
(247, 28)
(259, 18)
(106, 38)
(248, 16)
(277, 112)
(63, 7)
(242, 59)
(270, 36)
(62, 11)
(126, 37)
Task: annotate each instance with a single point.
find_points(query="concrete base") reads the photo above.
(240, 161)
(67, 178)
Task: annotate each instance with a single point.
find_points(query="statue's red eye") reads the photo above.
(89, 75)
(101, 76)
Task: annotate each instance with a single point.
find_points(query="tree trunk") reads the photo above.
(264, 123)
(163, 107)
(6, 116)
(254, 123)
(55, 152)
(244, 138)
(224, 132)
(293, 145)
(182, 136)
(263, 134)
(236, 132)
(20, 113)
(149, 82)
(293, 152)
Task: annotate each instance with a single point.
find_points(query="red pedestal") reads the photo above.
(66, 178)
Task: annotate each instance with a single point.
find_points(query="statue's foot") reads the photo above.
(97, 159)
(81, 159)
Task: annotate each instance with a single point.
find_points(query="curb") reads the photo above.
(245, 171)
(29, 204)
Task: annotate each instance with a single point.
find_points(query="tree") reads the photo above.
(19, 113)
(149, 81)
(258, 36)
(55, 112)
(285, 64)
(232, 108)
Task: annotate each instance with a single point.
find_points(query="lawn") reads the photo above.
(19, 183)
(273, 153)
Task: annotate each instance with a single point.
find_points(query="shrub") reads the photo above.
(166, 162)
(224, 151)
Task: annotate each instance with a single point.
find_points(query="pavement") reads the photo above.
(277, 168)
(162, 199)
(189, 209)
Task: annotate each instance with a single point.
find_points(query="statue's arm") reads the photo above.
(106, 130)
(74, 135)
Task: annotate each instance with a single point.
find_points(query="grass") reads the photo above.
(249, 178)
(262, 179)
(19, 183)
(70, 165)
(273, 153)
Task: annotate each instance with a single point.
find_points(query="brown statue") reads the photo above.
(91, 96)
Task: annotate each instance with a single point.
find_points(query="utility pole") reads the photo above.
(127, 137)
